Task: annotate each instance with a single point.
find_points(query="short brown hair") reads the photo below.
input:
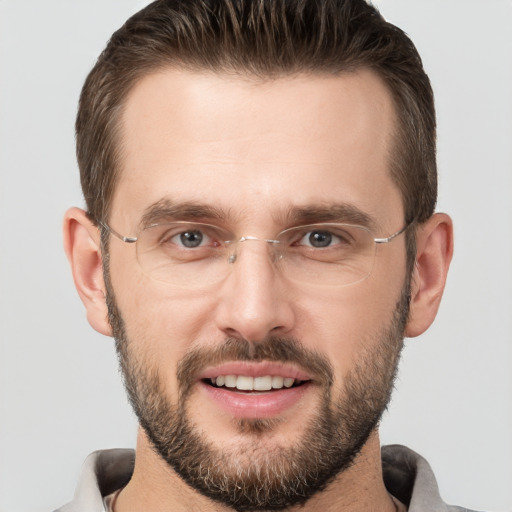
(264, 38)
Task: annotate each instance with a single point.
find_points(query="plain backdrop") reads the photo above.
(60, 392)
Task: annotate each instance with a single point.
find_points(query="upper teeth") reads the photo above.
(246, 383)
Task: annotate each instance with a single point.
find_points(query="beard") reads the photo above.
(258, 475)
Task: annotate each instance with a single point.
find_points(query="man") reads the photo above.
(260, 180)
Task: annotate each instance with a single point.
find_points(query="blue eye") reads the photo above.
(189, 239)
(319, 238)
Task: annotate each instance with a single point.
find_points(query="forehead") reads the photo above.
(245, 145)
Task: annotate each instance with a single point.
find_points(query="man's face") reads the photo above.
(252, 157)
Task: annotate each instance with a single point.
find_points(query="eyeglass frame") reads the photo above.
(232, 258)
(133, 239)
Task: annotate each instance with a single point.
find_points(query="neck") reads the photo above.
(155, 486)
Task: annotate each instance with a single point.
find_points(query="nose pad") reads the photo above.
(273, 244)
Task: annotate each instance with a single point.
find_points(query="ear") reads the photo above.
(434, 250)
(82, 246)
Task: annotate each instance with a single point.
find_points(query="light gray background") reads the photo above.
(60, 395)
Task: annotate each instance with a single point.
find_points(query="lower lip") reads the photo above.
(255, 405)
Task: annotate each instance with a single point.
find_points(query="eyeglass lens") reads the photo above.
(194, 255)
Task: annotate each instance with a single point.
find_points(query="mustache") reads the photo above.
(273, 348)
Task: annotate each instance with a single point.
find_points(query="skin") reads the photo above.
(257, 150)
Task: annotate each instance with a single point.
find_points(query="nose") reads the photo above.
(254, 300)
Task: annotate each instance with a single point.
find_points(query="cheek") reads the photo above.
(345, 323)
(161, 322)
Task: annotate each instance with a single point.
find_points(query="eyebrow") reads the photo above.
(166, 210)
(334, 212)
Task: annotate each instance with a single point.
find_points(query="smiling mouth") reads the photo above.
(248, 383)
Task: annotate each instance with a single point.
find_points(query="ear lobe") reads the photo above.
(434, 250)
(82, 246)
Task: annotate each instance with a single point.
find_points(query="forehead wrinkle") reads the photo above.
(330, 212)
(166, 210)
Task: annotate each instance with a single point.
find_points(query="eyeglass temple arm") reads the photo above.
(127, 239)
(394, 235)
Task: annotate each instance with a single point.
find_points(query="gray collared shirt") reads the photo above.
(407, 475)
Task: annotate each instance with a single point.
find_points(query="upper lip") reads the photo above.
(254, 369)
